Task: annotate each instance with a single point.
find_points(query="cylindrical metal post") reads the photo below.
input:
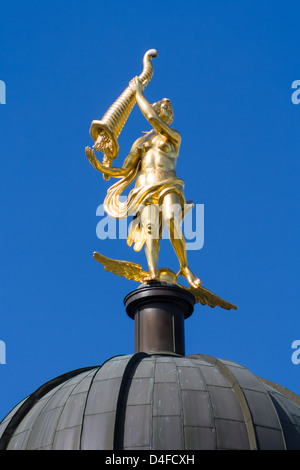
(159, 311)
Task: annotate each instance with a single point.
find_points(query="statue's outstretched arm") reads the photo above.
(130, 162)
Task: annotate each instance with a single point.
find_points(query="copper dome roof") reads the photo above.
(152, 401)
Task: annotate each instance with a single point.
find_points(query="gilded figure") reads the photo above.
(157, 199)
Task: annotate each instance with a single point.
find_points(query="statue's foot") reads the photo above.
(152, 276)
(193, 280)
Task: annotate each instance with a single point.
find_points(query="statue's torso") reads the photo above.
(158, 161)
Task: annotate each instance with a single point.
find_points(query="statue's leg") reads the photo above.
(149, 220)
(171, 211)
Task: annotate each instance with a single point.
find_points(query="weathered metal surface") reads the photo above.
(154, 402)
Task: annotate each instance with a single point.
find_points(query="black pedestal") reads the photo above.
(159, 310)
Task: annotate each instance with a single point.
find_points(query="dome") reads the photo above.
(156, 402)
(157, 398)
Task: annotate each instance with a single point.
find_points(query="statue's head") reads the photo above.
(164, 110)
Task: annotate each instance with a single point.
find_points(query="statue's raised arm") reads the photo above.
(106, 131)
(160, 115)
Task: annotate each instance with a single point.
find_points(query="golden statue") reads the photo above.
(157, 198)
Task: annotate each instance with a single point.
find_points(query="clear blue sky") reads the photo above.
(228, 67)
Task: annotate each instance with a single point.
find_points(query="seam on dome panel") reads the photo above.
(118, 439)
(83, 415)
(179, 391)
(224, 368)
(62, 385)
(151, 438)
(263, 391)
(63, 407)
(31, 400)
(242, 401)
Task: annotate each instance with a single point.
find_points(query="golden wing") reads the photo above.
(205, 297)
(132, 271)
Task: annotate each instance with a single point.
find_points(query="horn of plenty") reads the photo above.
(106, 132)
